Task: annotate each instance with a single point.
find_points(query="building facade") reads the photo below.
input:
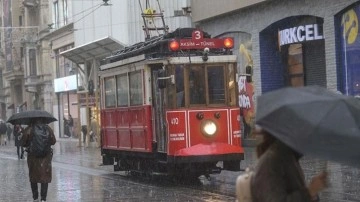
(289, 43)
(100, 28)
(25, 84)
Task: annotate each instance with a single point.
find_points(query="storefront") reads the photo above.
(348, 50)
(292, 43)
(292, 53)
(87, 58)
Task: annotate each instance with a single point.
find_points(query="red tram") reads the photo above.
(169, 106)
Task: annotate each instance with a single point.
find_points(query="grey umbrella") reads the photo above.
(28, 117)
(313, 121)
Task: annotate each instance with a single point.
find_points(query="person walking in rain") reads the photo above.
(9, 131)
(278, 175)
(94, 130)
(18, 131)
(40, 168)
(3, 130)
(71, 125)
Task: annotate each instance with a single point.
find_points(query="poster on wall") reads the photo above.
(350, 51)
(245, 84)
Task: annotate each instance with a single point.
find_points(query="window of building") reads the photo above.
(21, 52)
(61, 12)
(63, 65)
(56, 14)
(110, 94)
(122, 86)
(20, 21)
(136, 91)
(32, 62)
(65, 11)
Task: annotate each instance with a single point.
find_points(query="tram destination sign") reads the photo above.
(197, 41)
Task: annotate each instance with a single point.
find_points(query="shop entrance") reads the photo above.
(292, 53)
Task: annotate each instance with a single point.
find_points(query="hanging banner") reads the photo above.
(350, 45)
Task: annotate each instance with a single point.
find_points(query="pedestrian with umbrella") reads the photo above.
(301, 121)
(38, 138)
(278, 175)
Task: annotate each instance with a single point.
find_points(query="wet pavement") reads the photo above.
(77, 176)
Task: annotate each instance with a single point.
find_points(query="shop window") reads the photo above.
(136, 92)
(122, 87)
(110, 99)
(295, 65)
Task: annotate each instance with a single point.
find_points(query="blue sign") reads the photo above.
(350, 45)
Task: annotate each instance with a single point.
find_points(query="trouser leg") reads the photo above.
(18, 151)
(34, 189)
(44, 189)
(22, 152)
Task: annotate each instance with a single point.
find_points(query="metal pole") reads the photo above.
(78, 106)
(87, 120)
(59, 114)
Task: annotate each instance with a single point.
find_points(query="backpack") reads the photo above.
(243, 186)
(40, 143)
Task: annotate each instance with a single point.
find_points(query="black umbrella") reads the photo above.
(313, 121)
(28, 117)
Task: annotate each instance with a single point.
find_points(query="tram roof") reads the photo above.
(98, 49)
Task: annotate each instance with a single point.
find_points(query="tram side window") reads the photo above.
(179, 78)
(122, 90)
(136, 92)
(110, 99)
(216, 84)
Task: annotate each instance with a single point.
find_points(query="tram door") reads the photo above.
(158, 111)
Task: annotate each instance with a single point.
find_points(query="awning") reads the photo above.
(97, 49)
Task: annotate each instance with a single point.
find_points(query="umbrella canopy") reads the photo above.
(28, 117)
(313, 121)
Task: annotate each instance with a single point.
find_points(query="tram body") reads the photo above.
(169, 106)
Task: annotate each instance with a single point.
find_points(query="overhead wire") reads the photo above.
(82, 12)
(87, 14)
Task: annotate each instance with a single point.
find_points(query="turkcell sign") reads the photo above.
(299, 34)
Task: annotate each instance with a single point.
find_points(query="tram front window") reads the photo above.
(197, 85)
(216, 84)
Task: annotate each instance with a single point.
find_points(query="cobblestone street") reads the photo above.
(77, 176)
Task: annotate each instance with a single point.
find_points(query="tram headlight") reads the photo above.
(208, 128)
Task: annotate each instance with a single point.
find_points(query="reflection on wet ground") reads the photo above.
(77, 176)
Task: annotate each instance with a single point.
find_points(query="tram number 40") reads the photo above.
(175, 121)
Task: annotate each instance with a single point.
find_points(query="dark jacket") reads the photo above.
(40, 169)
(278, 177)
(17, 135)
(3, 128)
